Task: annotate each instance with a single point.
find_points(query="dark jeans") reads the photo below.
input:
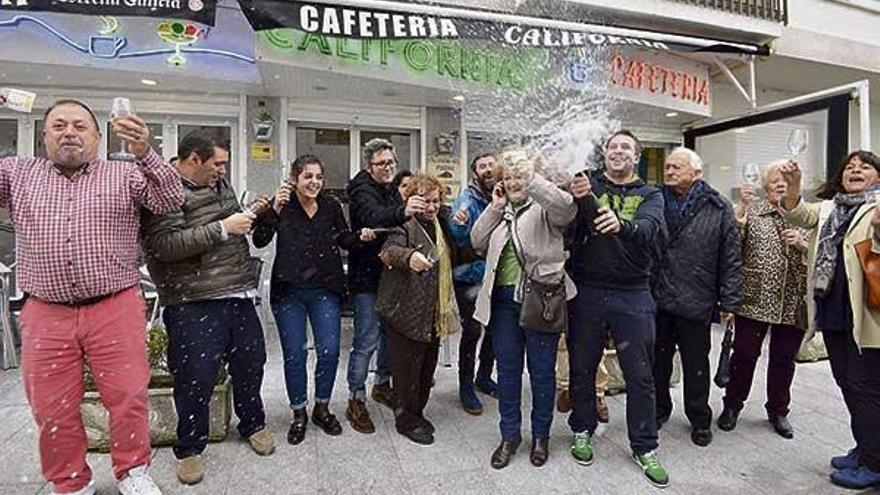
(785, 341)
(856, 373)
(412, 370)
(693, 339)
(466, 296)
(629, 316)
(201, 335)
(510, 342)
(322, 308)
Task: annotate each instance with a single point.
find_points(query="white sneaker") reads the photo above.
(86, 490)
(138, 482)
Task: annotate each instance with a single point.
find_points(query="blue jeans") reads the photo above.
(201, 336)
(510, 342)
(630, 317)
(368, 336)
(322, 307)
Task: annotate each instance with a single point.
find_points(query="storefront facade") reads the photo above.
(321, 95)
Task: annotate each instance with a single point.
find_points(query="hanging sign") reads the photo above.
(201, 11)
(335, 20)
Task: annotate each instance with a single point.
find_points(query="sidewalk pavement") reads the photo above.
(750, 460)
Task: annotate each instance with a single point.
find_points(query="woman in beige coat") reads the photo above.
(521, 233)
(851, 330)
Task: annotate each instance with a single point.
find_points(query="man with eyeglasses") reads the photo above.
(374, 203)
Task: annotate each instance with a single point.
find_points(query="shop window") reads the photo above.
(332, 147)
(8, 147)
(8, 138)
(726, 154)
(114, 144)
(39, 145)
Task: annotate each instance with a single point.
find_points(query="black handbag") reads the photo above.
(543, 307)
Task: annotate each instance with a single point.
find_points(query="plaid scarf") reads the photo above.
(831, 235)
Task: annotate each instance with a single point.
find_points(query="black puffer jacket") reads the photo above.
(371, 205)
(700, 264)
(186, 255)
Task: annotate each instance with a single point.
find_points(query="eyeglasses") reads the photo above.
(384, 164)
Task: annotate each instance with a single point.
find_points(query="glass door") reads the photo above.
(333, 146)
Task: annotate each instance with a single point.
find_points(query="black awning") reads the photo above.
(377, 19)
(201, 11)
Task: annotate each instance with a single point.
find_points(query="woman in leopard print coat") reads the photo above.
(774, 278)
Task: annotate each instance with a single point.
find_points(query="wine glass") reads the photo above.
(121, 108)
(751, 175)
(797, 142)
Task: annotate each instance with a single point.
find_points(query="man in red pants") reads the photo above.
(76, 219)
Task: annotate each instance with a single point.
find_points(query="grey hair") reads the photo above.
(693, 158)
(768, 169)
(374, 146)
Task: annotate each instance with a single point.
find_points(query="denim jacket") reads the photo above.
(475, 201)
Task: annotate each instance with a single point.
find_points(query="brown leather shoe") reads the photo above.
(563, 402)
(384, 394)
(601, 410)
(190, 470)
(359, 417)
(262, 442)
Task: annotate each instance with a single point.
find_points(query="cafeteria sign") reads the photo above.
(448, 60)
(330, 19)
(202, 11)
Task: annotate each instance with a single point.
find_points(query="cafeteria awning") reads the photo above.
(382, 19)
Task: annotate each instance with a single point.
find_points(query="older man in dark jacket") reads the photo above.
(699, 270)
(199, 259)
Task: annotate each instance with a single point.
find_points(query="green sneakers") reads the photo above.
(582, 448)
(650, 464)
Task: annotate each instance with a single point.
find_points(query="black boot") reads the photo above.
(540, 451)
(502, 455)
(782, 426)
(321, 416)
(297, 432)
(727, 419)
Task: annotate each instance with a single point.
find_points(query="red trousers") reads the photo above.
(55, 341)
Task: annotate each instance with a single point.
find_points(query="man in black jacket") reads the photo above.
(374, 203)
(614, 236)
(199, 259)
(699, 269)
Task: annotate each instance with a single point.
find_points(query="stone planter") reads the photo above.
(161, 412)
(162, 417)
